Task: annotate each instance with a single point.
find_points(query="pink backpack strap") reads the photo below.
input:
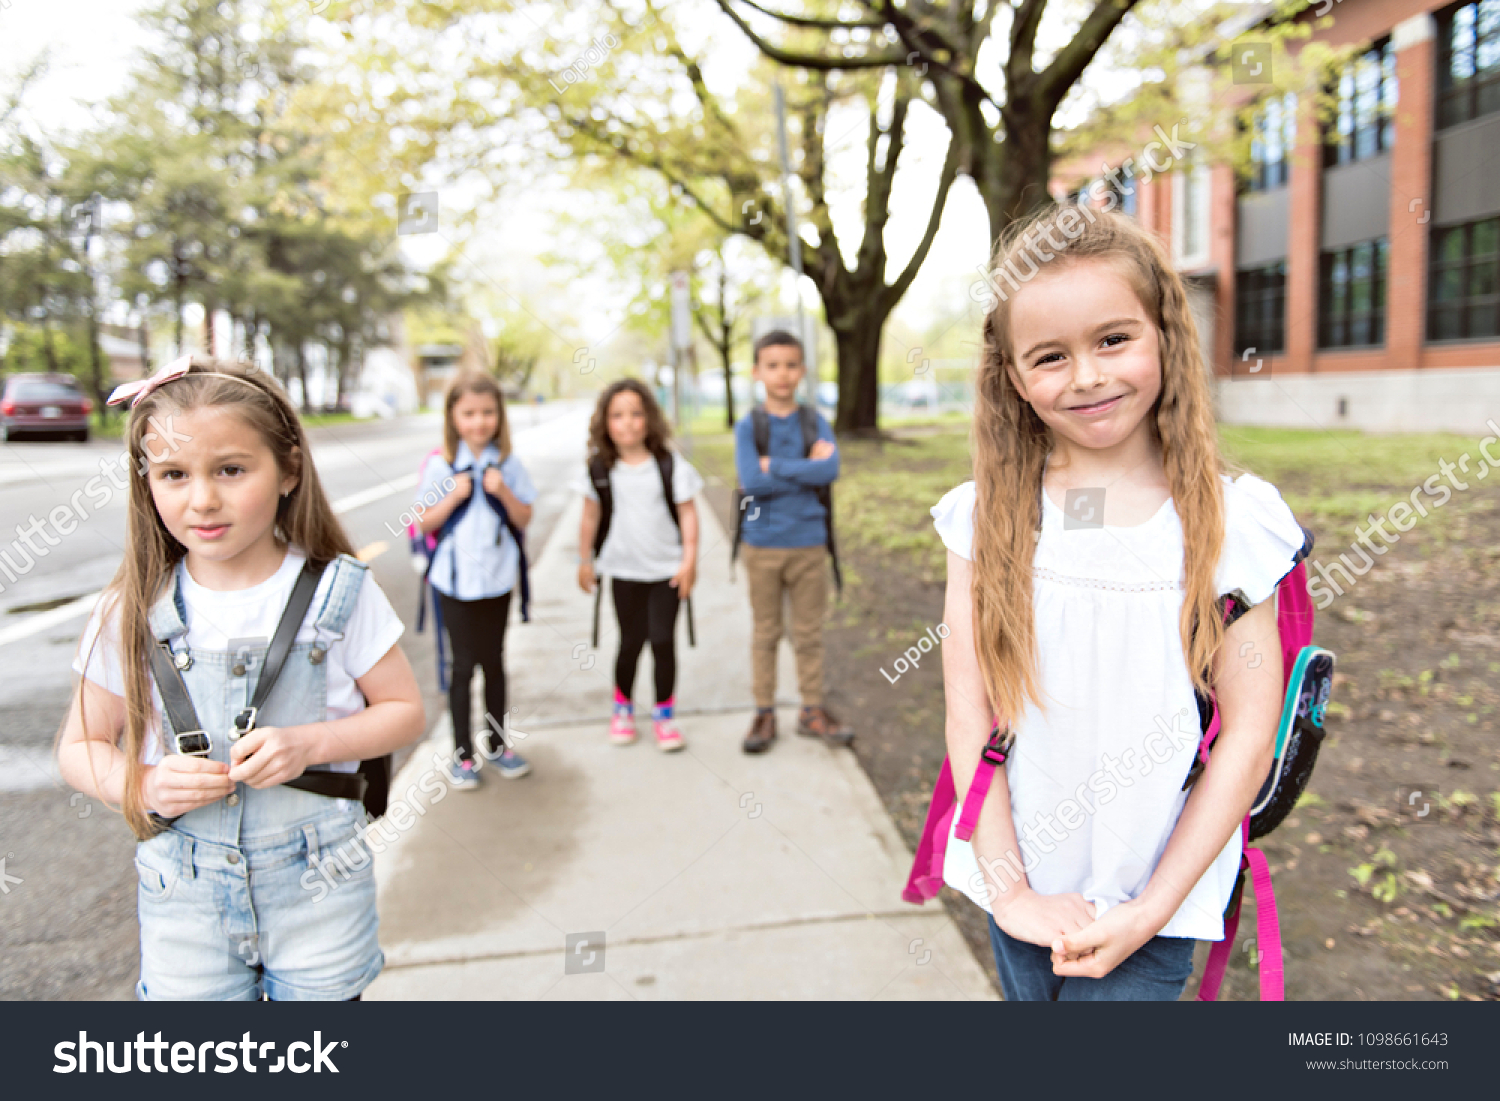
(1267, 933)
(1267, 929)
(990, 758)
(926, 878)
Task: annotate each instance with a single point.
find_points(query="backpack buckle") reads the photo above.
(194, 743)
(244, 722)
(996, 748)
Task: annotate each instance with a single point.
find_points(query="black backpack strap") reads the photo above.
(281, 644)
(174, 694)
(599, 476)
(808, 416)
(664, 463)
(760, 428)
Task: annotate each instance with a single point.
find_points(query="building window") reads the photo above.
(1123, 186)
(1468, 62)
(1463, 288)
(1351, 295)
(1364, 121)
(1273, 136)
(1190, 210)
(1260, 309)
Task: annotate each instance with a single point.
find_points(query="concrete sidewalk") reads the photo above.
(701, 874)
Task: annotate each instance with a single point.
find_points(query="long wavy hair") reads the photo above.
(474, 382)
(658, 432)
(303, 518)
(1010, 444)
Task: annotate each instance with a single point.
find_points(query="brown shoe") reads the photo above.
(818, 722)
(762, 732)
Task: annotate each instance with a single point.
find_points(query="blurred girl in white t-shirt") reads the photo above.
(650, 549)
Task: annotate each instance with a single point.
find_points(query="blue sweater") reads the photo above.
(784, 511)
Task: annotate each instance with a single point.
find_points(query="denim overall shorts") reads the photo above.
(231, 905)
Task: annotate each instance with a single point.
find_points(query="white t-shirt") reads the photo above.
(1096, 779)
(643, 544)
(250, 616)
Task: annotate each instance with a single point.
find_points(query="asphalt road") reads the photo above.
(67, 881)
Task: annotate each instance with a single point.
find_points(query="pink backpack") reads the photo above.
(1309, 682)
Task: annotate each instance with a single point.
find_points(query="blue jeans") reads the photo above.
(1156, 972)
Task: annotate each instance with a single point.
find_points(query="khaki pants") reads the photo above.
(801, 572)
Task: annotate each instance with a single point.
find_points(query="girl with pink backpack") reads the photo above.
(1110, 588)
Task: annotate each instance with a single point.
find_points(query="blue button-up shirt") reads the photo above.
(784, 510)
(485, 568)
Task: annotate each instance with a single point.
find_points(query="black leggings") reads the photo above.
(646, 610)
(476, 631)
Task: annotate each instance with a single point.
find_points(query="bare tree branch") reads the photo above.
(814, 22)
(1070, 62)
(816, 62)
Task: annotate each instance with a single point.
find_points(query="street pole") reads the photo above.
(794, 247)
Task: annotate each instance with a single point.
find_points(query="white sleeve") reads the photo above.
(686, 481)
(373, 628)
(585, 485)
(98, 657)
(1261, 538)
(953, 517)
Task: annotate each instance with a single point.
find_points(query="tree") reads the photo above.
(721, 157)
(1004, 133)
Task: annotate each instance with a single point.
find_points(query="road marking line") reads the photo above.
(374, 493)
(373, 551)
(85, 604)
(45, 620)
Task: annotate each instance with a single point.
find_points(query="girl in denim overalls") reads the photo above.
(224, 511)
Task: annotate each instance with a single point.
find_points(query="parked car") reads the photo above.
(53, 405)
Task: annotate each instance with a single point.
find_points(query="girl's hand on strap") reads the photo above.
(684, 578)
(493, 480)
(586, 578)
(180, 784)
(1095, 951)
(463, 485)
(1041, 919)
(270, 755)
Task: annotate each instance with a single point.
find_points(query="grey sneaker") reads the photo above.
(463, 775)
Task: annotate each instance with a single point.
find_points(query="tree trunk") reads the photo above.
(47, 345)
(145, 341)
(96, 361)
(1015, 173)
(728, 384)
(858, 345)
(302, 374)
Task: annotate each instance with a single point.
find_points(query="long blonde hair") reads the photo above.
(1010, 444)
(473, 382)
(304, 517)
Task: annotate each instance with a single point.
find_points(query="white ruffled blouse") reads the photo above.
(1095, 779)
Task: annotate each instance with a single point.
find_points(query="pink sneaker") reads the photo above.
(622, 728)
(668, 737)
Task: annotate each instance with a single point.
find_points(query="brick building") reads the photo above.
(1353, 278)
